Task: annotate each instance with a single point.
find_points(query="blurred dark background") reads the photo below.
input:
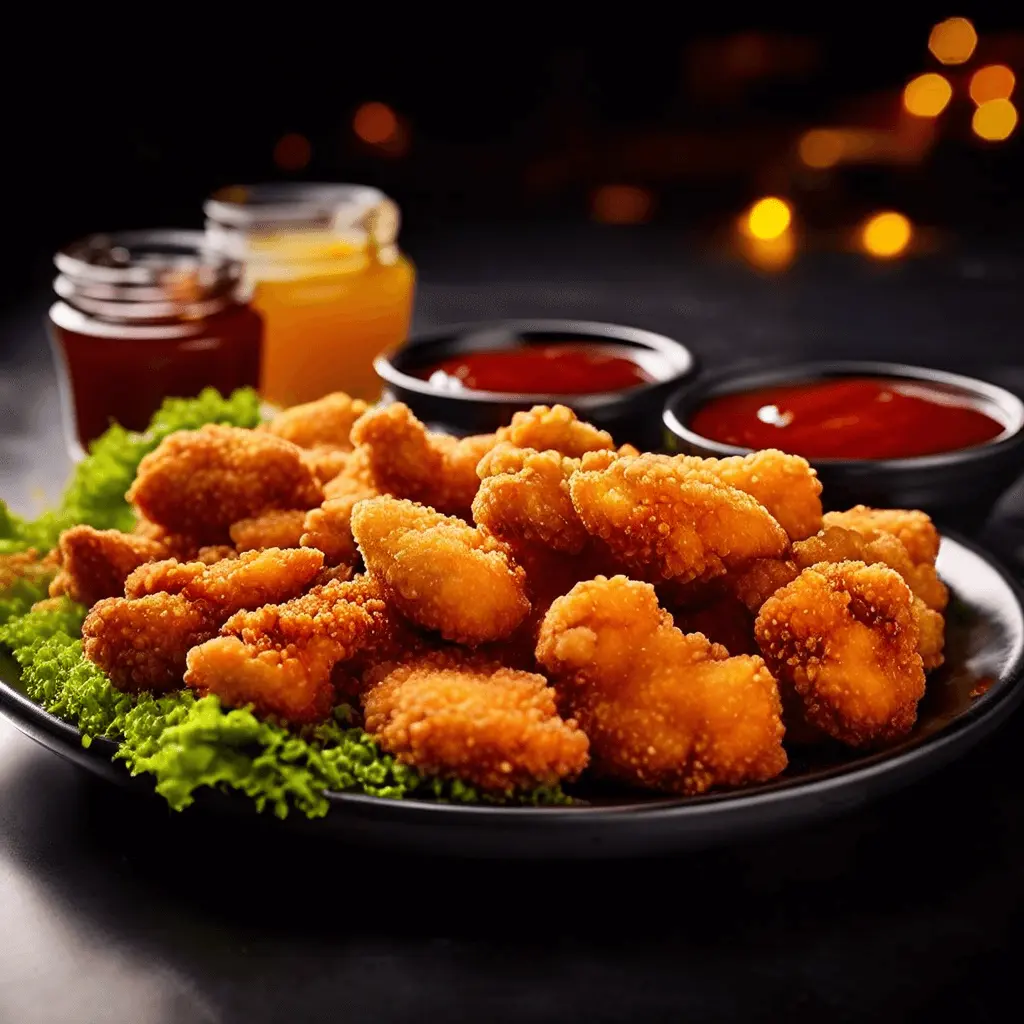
(678, 126)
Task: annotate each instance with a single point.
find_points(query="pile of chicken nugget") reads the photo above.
(516, 608)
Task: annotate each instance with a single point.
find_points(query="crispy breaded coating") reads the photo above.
(141, 644)
(491, 726)
(524, 496)
(248, 581)
(932, 629)
(755, 582)
(279, 528)
(199, 482)
(293, 685)
(356, 477)
(345, 612)
(837, 544)
(724, 620)
(327, 421)
(329, 529)
(667, 521)
(912, 527)
(663, 710)
(842, 640)
(408, 461)
(326, 462)
(95, 563)
(441, 573)
(785, 484)
(282, 658)
(547, 428)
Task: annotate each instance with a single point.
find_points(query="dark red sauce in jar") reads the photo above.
(848, 418)
(144, 316)
(540, 369)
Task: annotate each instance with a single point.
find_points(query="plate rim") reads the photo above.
(988, 711)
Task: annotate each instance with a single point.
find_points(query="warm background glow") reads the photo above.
(994, 82)
(953, 41)
(927, 95)
(621, 204)
(375, 123)
(886, 235)
(292, 152)
(821, 148)
(995, 120)
(769, 218)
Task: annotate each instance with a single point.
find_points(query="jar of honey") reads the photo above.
(327, 276)
(146, 315)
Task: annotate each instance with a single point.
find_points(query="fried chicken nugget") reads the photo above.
(665, 520)
(408, 461)
(755, 582)
(141, 640)
(279, 528)
(95, 563)
(248, 581)
(524, 496)
(838, 544)
(555, 428)
(663, 710)
(280, 658)
(786, 485)
(326, 462)
(440, 572)
(913, 528)
(141, 644)
(843, 640)
(199, 482)
(325, 422)
(491, 726)
(329, 529)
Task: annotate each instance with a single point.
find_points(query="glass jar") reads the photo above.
(326, 275)
(146, 315)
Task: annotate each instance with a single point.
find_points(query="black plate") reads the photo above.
(978, 687)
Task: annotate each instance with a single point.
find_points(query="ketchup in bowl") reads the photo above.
(539, 369)
(849, 418)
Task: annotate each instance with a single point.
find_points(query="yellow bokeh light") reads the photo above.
(927, 95)
(994, 82)
(886, 235)
(821, 148)
(953, 41)
(375, 123)
(995, 120)
(769, 218)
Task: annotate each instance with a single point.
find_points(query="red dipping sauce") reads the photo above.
(848, 418)
(539, 370)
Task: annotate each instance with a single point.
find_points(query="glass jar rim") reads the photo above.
(145, 259)
(147, 276)
(294, 205)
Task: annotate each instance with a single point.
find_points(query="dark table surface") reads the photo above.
(115, 909)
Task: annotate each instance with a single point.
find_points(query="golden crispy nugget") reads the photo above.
(662, 709)
(843, 640)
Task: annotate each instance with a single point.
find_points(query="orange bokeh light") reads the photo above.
(768, 218)
(886, 235)
(995, 120)
(621, 204)
(375, 123)
(821, 147)
(994, 82)
(927, 95)
(292, 152)
(953, 41)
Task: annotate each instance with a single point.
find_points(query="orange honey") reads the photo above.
(327, 277)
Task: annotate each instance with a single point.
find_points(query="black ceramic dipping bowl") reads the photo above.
(958, 489)
(632, 414)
